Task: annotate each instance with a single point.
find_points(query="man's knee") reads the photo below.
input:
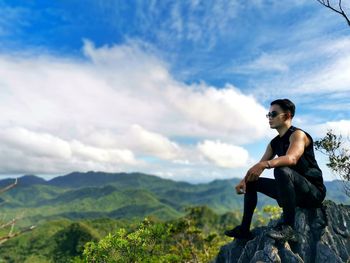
(251, 186)
(282, 173)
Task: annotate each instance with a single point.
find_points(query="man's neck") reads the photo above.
(283, 129)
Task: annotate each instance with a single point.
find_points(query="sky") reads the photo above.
(177, 89)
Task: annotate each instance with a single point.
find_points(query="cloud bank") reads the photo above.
(118, 109)
(224, 155)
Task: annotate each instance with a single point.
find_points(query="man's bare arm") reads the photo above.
(255, 171)
(268, 155)
(298, 142)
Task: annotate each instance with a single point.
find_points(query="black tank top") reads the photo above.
(306, 165)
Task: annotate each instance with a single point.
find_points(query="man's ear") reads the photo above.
(289, 115)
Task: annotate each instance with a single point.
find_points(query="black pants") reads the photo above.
(289, 188)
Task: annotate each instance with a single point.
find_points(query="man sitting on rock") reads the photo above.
(298, 179)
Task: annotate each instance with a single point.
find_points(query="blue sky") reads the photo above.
(174, 88)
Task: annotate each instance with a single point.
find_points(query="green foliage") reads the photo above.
(339, 159)
(145, 243)
(207, 220)
(53, 240)
(70, 241)
(195, 237)
(338, 156)
(179, 241)
(267, 213)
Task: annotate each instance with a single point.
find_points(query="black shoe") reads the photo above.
(283, 233)
(238, 233)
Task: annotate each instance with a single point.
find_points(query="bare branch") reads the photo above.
(3, 239)
(340, 11)
(12, 222)
(2, 190)
(12, 228)
(340, 7)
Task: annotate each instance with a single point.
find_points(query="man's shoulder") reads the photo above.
(295, 131)
(299, 134)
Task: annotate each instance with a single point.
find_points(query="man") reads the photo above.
(298, 179)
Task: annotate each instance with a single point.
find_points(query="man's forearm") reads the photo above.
(280, 161)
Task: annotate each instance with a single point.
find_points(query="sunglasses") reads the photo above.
(273, 114)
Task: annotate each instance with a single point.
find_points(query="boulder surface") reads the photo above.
(323, 236)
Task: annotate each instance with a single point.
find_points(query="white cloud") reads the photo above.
(224, 155)
(78, 115)
(197, 22)
(220, 112)
(37, 144)
(122, 86)
(152, 143)
(117, 156)
(317, 62)
(341, 127)
(334, 77)
(36, 152)
(264, 63)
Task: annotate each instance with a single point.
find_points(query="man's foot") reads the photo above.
(238, 233)
(283, 233)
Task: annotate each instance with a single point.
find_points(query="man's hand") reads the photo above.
(254, 172)
(241, 187)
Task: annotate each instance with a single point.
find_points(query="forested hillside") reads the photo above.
(121, 195)
(80, 207)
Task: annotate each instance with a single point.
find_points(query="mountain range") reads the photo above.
(124, 195)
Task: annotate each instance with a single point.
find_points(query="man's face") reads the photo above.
(277, 117)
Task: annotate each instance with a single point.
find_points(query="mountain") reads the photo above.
(335, 192)
(87, 206)
(124, 195)
(25, 180)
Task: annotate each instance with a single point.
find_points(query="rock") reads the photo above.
(323, 236)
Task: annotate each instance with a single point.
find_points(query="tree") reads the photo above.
(70, 242)
(338, 156)
(336, 7)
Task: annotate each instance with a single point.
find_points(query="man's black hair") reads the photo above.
(286, 105)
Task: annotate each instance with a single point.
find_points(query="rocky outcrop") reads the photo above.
(323, 236)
